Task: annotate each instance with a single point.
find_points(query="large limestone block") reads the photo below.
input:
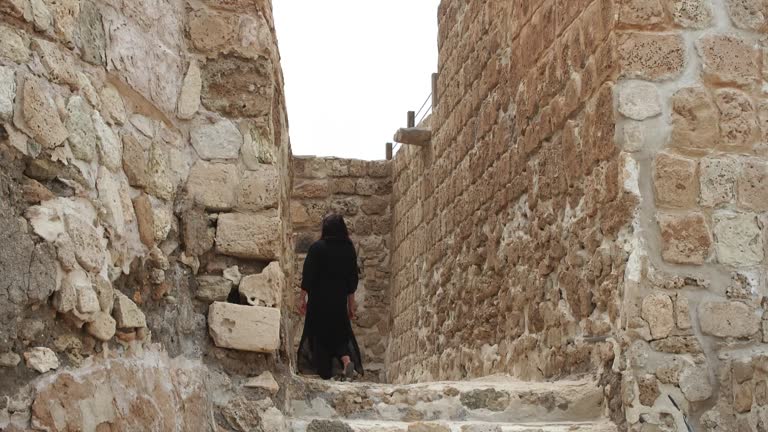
(675, 181)
(41, 15)
(238, 88)
(753, 184)
(248, 235)
(112, 106)
(83, 139)
(103, 326)
(259, 189)
(694, 382)
(749, 14)
(7, 92)
(641, 12)
(65, 16)
(686, 239)
(40, 114)
(110, 147)
(696, 14)
(14, 46)
(92, 40)
(88, 248)
(244, 328)
(220, 140)
(728, 319)
(213, 185)
(154, 220)
(728, 59)
(41, 359)
(657, 311)
(198, 237)
(639, 100)
(136, 160)
(59, 65)
(694, 119)
(653, 57)
(189, 100)
(213, 288)
(264, 289)
(738, 239)
(717, 177)
(738, 120)
(127, 314)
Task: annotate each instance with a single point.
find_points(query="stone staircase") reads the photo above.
(490, 405)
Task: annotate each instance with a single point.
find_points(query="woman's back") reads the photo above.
(331, 265)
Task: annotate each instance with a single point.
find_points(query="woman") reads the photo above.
(329, 280)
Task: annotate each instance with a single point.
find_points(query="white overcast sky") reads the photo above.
(353, 68)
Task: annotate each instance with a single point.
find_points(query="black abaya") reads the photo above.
(330, 275)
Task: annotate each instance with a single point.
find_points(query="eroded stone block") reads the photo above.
(213, 288)
(41, 359)
(259, 188)
(728, 319)
(639, 100)
(696, 14)
(753, 184)
(654, 57)
(738, 239)
(728, 59)
(213, 185)
(40, 114)
(658, 312)
(738, 119)
(244, 328)
(238, 88)
(254, 236)
(675, 182)
(264, 289)
(641, 12)
(686, 239)
(220, 140)
(694, 119)
(127, 314)
(189, 100)
(694, 382)
(7, 92)
(749, 14)
(717, 178)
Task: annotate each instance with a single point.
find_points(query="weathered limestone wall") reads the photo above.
(507, 235)
(360, 191)
(693, 100)
(144, 173)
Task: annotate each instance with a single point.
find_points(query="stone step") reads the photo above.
(324, 425)
(496, 401)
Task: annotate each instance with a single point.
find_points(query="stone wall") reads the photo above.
(360, 191)
(594, 195)
(694, 115)
(144, 174)
(508, 230)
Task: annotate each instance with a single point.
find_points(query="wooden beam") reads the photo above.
(435, 96)
(389, 151)
(414, 136)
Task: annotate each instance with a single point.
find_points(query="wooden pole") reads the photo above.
(435, 96)
(411, 119)
(389, 151)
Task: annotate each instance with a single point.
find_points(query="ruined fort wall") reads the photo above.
(360, 191)
(144, 173)
(693, 109)
(508, 230)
